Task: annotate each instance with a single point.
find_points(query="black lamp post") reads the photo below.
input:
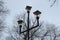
(37, 13)
(28, 8)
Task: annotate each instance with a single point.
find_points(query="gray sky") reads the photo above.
(49, 14)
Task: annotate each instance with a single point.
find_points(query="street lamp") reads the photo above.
(37, 13)
(20, 24)
(28, 8)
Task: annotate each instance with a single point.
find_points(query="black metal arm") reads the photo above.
(29, 29)
(32, 27)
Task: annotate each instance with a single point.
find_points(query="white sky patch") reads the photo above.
(51, 15)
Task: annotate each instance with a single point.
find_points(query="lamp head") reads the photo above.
(20, 21)
(28, 8)
(37, 13)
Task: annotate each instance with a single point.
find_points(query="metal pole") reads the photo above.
(37, 20)
(28, 25)
(20, 29)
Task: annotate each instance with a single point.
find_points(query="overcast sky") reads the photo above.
(49, 14)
